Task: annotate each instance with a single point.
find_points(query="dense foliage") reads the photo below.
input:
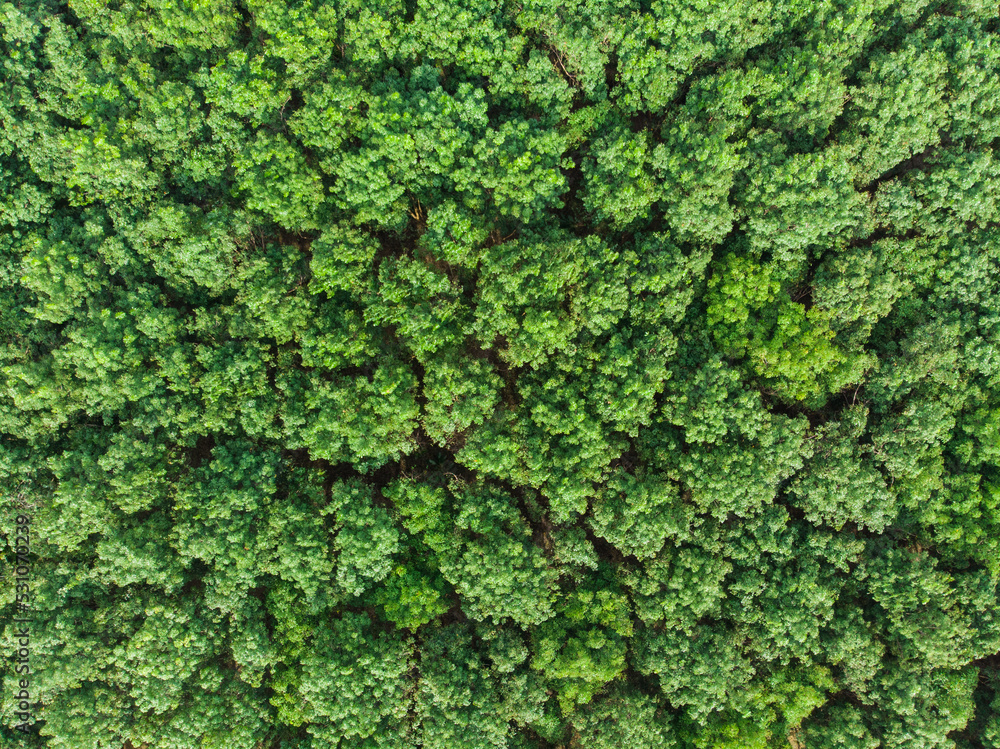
(481, 373)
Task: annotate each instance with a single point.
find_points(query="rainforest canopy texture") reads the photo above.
(457, 374)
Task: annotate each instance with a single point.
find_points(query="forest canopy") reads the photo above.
(500, 374)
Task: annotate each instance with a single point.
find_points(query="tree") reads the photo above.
(573, 373)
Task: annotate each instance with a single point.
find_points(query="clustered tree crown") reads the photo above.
(480, 373)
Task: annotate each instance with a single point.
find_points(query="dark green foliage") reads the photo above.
(353, 682)
(582, 647)
(624, 717)
(839, 484)
(487, 374)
